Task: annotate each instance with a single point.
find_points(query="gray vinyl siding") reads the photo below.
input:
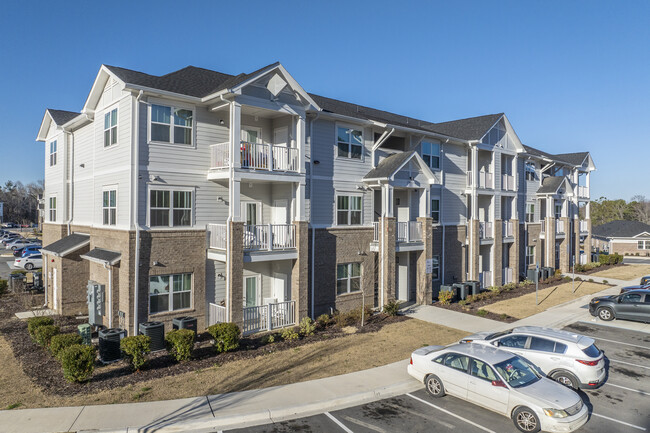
(454, 166)
(527, 190)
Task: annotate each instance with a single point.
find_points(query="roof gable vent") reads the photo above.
(276, 84)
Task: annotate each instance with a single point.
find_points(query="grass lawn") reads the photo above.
(347, 354)
(524, 306)
(627, 272)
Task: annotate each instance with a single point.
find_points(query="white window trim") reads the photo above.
(170, 294)
(258, 282)
(348, 278)
(50, 153)
(108, 188)
(529, 203)
(439, 267)
(49, 208)
(171, 189)
(243, 204)
(338, 125)
(527, 170)
(435, 197)
(530, 259)
(173, 105)
(336, 208)
(117, 126)
(260, 139)
(430, 154)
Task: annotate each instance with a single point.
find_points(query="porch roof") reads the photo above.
(390, 166)
(67, 245)
(551, 185)
(102, 256)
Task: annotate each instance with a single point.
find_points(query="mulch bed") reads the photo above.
(520, 290)
(45, 371)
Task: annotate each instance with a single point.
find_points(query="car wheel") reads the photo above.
(565, 378)
(605, 314)
(434, 386)
(526, 420)
(29, 266)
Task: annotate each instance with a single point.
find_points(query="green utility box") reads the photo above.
(84, 331)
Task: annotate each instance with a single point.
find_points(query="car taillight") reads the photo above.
(411, 360)
(591, 363)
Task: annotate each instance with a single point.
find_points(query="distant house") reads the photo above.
(622, 237)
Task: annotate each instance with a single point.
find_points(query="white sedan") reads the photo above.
(499, 381)
(34, 261)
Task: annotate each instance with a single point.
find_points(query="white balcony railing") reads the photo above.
(216, 314)
(583, 191)
(485, 179)
(507, 182)
(559, 226)
(508, 229)
(375, 232)
(268, 317)
(508, 276)
(486, 230)
(410, 231)
(584, 227)
(256, 237)
(257, 156)
(269, 237)
(485, 278)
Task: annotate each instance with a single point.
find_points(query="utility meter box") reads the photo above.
(95, 299)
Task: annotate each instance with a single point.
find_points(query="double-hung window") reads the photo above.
(348, 278)
(643, 245)
(52, 153)
(110, 127)
(179, 286)
(530, 254)
(348, 210)
(52, 209)
(435, 270)
(170, 208)
(435, 210)
(171, 125)
(530, 212)
(109, 207)
(530, 171)
(431, 154)
(349, 142)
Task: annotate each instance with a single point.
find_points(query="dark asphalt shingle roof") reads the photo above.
(620, 229)
(472, 128)
(388, 166)
(550, 184)
(571, 158)
(102, 255)
(67, 244)
(61, 117)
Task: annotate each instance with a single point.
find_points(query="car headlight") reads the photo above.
(556, 413)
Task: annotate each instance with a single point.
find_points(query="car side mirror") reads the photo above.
(499, 383)
(497, 343)
(620, 299)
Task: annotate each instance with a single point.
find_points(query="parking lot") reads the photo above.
(620, 405)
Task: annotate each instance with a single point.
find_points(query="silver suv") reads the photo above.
(569, 358)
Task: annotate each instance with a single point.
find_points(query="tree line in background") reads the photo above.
(21, 201)
(604, 210)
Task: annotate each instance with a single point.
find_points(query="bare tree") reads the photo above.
(640, 208)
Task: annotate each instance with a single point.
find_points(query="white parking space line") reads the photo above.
(620, 422)
(364, 424)
(339, 423)
(628, 389)
(619, 342)
(451, 413)
(422, 415)
(628, 363)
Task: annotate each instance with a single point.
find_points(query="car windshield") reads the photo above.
(592, 351)
(516, 372)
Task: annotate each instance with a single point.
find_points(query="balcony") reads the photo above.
(507, 182)
(410, 231)
(559, 227)
(485, 278)
(485, 179)
(264, 237)
(257, 156)
(508, 229)
(583, 226)
(583, 192)
(485, 230)
(258, 318)
(508, 276)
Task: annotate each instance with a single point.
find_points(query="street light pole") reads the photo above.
(536, 283)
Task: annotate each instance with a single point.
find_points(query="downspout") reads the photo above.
(110, 294)
(441, 218)
(381, 252)
(135, 190)
(311, 209)
(71, 196)
(229, 219)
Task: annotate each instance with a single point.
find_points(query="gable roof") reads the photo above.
(61, 117)
(389, 166)
(551, 184)
(577, 158)
(620, 229)
(471, 128)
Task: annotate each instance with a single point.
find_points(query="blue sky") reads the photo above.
(571, 76)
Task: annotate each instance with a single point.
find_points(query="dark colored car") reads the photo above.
(636, 287)
(645, 280)
(27, 250)
(632, 305)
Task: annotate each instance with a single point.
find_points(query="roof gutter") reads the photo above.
(135, 211)
(426, 133)
(154, 92)
(311, 208)
(379, 142)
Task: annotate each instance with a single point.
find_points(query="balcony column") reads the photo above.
(387, 258)
(387, 200)
(424, 293)
(299, 271)
(549, 241)
(514, 250)
(497, 258)
(565, 246)
(425, 202)
(588, 184)
(235, 269)
(234, 196)
(235, 134)
(576, 244)
(299, 202)
(300, 142)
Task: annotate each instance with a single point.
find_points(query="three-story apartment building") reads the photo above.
(244, 198)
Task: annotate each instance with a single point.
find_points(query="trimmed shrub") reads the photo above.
(226, 336)
(43, 334)
(35, 322)
(445, 297)
(323, 320)
(180, 343)
(78, 362)
(289, 334)
(61, 341)
(136, 348)
(307, 326)
(3, 287)
(392, 308)
(482, 313)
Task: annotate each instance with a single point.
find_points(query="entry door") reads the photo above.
(279, 215)
(250, 212)
(55, 290)
(279, 286)
(251, 134)
(252, 291)
(281, 136)
(402, 289)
